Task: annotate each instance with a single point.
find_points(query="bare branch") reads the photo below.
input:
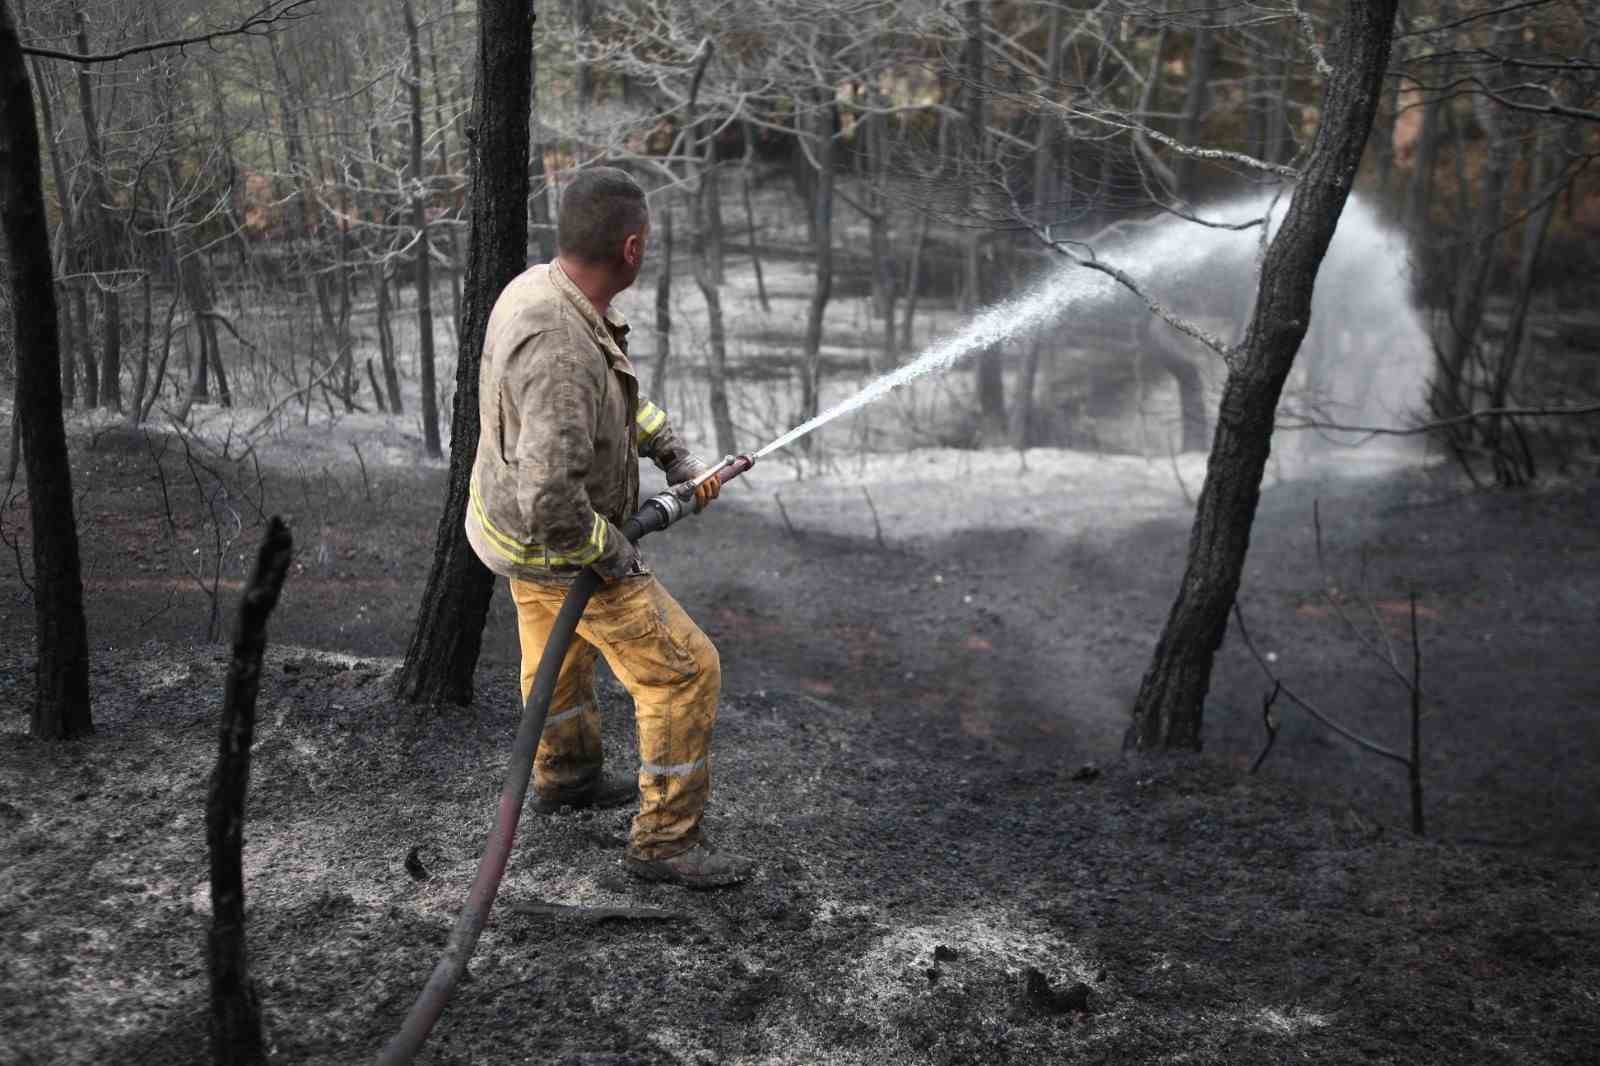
(1446, 423)
(1309, 32)
(1476, 16)
(256, 25)
(1270, 723)
(1355, 738)
(1223, 156)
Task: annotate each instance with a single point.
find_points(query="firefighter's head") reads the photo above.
(605, 223)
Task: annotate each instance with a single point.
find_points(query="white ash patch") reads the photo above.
(563, 886)
(1287, 1021)
(829, 909)
(990, 949)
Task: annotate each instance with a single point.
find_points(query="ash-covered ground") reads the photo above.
(919, 740)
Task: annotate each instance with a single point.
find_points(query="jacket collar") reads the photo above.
(612, 318)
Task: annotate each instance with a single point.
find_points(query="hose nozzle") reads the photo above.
(662, 510)
(730, 467)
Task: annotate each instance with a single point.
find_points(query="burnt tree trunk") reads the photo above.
(914, 283)
(1510, 467)
(1167, 349)
(1045, 208)
(1169, 709)
(383, 209)
(541, 225)
(444, 169)
(1196, 98)
(419, 211)
(1419, 191)
(750, 218)
(1459, 381)
(822, 229)
(990, 384)
(110, 387)
(391, 377)
(142, 376)
(885, 271)
(61, 697)
(455, 603)
(583, 70)
(658, 379)
(235, 1008)
(704, 274)
(70, 288)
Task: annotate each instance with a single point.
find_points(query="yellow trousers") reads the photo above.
(673, 673)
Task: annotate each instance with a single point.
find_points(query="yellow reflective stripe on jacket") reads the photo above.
(650, 419)
(515, 551)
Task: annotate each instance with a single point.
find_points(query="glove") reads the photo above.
(687, 470)
(624, 563)
(708, 490)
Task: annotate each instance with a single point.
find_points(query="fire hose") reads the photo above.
(658, 513)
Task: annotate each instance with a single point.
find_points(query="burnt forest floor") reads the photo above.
(918, 741)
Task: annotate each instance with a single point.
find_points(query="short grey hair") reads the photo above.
(599, 210)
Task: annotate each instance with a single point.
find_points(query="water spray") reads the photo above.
(1362, 281)
(657, 513)
(999, 323)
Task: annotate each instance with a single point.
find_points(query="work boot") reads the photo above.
(702, 866)
(603, 793)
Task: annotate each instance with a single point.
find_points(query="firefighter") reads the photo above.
(562, 421)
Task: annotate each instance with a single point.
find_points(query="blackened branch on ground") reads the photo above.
(235, 1006)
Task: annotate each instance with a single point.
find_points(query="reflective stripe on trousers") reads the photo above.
(673, 673)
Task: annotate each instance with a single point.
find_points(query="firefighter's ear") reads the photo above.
(633, 246)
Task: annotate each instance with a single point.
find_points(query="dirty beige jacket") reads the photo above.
(561, 421)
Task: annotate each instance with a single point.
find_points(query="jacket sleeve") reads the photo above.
(559, 400)
(660, 444)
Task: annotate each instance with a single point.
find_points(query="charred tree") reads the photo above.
(704, 275)
(1169, 709)
(1047, 206)
(1167, 350)
(455, 603)
(382, 209)
(822, 230)
(1196, 98)
(235, 1007)
(444, 168)
(541, 225)
(110, 387)
(990, 383)
(658, 379)
(61, 697)
(381, 316)
(913, 286)
(72, 290)
(885, 271)
(750, 218)
(583, 68)
(1458, 383)
(1419, 191)
(419, 211)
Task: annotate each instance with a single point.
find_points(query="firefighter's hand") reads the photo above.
(709, 490)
